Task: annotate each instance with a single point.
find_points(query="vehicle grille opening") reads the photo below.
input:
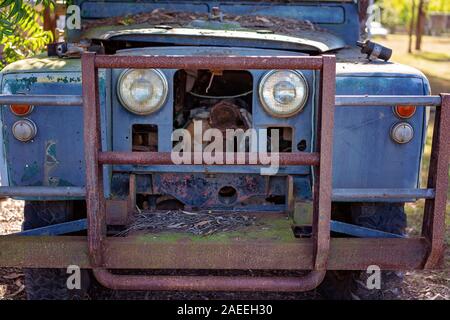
(227, 195)
(145, 138)
(285, 137)
(302, 145)
(276, 199)
(221, 97)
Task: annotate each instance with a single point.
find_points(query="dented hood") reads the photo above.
(311, 41)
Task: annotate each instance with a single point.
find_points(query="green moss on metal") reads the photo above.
(265, 229)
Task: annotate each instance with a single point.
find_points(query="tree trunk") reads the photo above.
(420, 24)
(411, 26)
(363, 5)
(50, 21)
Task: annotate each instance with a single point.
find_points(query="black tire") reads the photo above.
(50, 284)
(351, 285)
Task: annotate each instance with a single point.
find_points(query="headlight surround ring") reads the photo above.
(133, 83)
(267, 92)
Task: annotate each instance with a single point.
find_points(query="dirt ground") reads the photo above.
(11, 279)
(433, 60)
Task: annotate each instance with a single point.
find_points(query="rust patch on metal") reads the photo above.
(164, 158)
(209, 62)
(210, 283)
(95, 203)
(117, 211)
(323, 176)
(226, 115)
(433, 227)
(258, 254)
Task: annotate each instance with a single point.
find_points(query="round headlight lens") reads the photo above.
(283, 93)
(142, 91)
(24, 130)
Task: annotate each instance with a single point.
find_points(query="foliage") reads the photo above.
(21, 34)
(439, 6)
(399, 12)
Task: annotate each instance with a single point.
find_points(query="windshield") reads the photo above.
(165, 19)
(178, 28)
(290, 18)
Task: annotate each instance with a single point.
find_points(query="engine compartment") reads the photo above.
(220, 99)
(223, 98)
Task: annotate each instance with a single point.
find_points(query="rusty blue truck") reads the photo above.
(88, 142)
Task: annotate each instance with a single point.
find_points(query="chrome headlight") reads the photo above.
(24, 130)
(142, 91)
(283, 93)
(402, 132)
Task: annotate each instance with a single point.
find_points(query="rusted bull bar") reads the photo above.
(164, 158)
(42, 191)
(434, 209)
(340, 100)
(42, 100)
(95, 159)
(383, 101)
(106, 253)
(211, 62)
(210, 283)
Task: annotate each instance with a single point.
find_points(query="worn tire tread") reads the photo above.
(49, 284)
(350, 285)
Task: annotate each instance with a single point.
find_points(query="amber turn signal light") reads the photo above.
(404, 111)
(21, 109)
